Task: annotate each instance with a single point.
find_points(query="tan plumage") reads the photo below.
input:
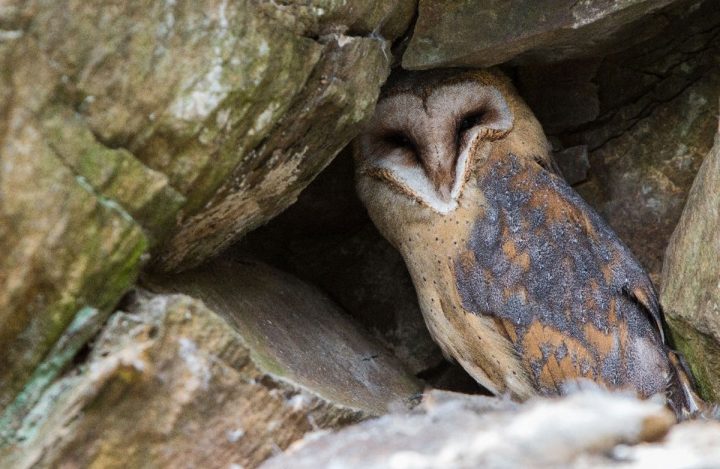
(519, 280)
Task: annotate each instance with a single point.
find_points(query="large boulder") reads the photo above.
(481, 33)
(691, 277)
(160, 130)
(591, 429)
(171, 382)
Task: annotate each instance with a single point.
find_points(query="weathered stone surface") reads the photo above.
(161, 127)
(65, 247)
(333, 102)
(114, 174)
(691, 277)
(573, 163)
(170, 383)
(591, 429)
(235, 102)
(656, 117)
(481, 33)
(299, 334)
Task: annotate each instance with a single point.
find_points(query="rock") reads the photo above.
(334, 100)
(563, 95)
(573, 163)
(161, 130)
(171, 383)
(67, 247)
(656, 117)
(691, 278)
(689, 445)
(481, 33)
(299, 334)
(452, 431)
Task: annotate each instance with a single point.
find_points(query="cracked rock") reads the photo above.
(481, 33)
(172, 383)
(588, 429)
(161, 131)
(691, 277)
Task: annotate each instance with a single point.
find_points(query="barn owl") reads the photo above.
(518, 279)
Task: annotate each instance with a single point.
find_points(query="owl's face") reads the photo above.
(430, 134)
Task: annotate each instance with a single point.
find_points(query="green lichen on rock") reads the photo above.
(340, 93)
(66, 246)
(115, 175)
(691, 278)
(194, 89)
(171, 383)
(124, 126)
(702, 353)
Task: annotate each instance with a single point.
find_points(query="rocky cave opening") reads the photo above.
(196, 283)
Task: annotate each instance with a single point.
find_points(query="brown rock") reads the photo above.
(338, 95)
(573, 163)
(66, 247)
(482, 33)
(170, 383)
(164, 128)
(462, 432)
(691, 277)
(298, 334)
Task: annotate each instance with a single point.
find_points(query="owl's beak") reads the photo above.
(443, 191)
(440, 169)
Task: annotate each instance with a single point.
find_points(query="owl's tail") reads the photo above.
(681, 394)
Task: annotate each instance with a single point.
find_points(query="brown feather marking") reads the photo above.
(510, 329)
(602, 344)
(468, 260)
(569, 367)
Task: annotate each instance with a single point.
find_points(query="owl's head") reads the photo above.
(430, 134)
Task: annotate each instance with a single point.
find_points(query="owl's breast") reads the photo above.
(477, 342)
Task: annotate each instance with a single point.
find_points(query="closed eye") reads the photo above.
(467, 123)
(400, 140)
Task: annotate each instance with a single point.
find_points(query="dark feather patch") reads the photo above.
(581, 305)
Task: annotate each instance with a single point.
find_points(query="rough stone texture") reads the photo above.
(652, 122)
(299, 334)
(691, 277)
(65, 245)
(161, 127)
(171, 384)
(270, 177)
(590, 429)
(481, 33)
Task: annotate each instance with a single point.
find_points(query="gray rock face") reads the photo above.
(590, 429)
(481, 33)
(647, 117)
(300, 335)
(172, 383)
(162, 130)
(691, 277)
